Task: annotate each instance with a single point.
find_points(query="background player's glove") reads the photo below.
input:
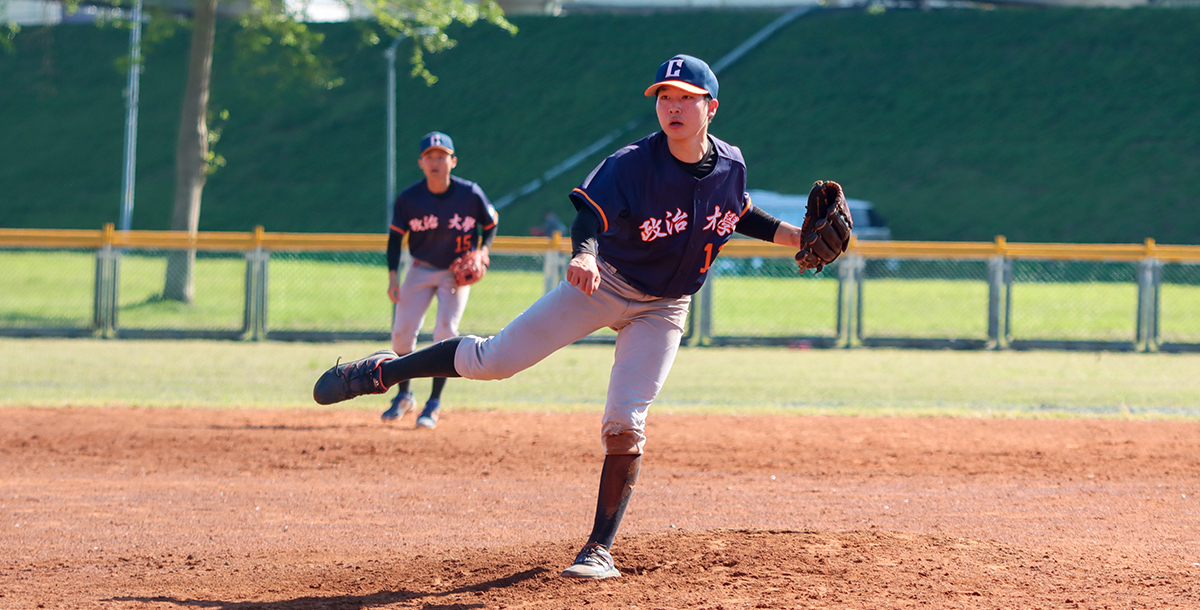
(825, 234)
(470, 267)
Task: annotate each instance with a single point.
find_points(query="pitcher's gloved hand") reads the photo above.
(825, 234)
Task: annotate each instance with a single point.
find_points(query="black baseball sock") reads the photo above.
(438, 384)
(437, 360)
(402, 387)
(617, 481)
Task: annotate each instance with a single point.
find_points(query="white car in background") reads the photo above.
(868, 224)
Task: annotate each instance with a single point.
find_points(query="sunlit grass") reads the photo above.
(219, 296)
(1179, 313)
(951, 309)
(1103, 311)
(227, 374)
(46, 288)
(774, 306)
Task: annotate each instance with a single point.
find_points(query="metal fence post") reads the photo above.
(1008, 284)
(1140, 333)
(101, 291)
(860, 272)
(550, 269)
(261, 301)
(98, 290)
(114, 291)
(1147, 309)
(1156, 310)
(104, 308)
(248, 309)
(262, 259)
(254, 316)
(705, 307)
(995, 289)
(844, 289)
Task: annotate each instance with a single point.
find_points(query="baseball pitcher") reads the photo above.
(651, 220)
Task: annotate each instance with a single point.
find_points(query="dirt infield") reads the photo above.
(177, 508)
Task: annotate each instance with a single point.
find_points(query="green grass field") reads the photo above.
(46, 288)
(1179, 315)
(779, 306)
(223, 374)
(219, 303)
(1087, 310)
(952, 309)
(346, 292)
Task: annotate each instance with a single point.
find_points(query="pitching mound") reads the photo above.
(181, 508)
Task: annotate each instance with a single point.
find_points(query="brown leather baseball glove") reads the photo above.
(825, 234)
(470, 267)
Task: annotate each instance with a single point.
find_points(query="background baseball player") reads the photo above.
(652, 218)
(446, 219)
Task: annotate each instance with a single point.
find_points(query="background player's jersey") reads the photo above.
(661, 227)
(443, 227)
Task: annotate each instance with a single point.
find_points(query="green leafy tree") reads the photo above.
(271, 25)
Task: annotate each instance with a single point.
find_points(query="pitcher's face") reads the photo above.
(681, 114)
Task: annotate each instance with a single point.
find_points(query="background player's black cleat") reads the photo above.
(346, 381)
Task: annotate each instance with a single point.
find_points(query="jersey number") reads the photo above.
(708, 257)
(463, 243)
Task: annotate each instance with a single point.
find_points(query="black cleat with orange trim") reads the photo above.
(346, 381)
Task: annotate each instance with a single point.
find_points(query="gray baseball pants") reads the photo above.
(648, 333)
(420, 285)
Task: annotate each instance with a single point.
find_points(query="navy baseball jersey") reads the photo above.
(442, 227)
(661, 227)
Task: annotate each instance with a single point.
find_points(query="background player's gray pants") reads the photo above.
(421, 283)
(648, 334)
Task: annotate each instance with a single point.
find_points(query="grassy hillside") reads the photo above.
(1041, 125)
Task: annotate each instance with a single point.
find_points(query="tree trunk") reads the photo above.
(191, 152)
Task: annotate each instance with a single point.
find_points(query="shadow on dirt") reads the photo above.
(273, 428)
(350, 602)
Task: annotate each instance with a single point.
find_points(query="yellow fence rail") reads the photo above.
(741, 248)
(236, 241)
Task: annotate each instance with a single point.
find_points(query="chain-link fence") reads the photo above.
(1177, 306)
(323, 287)
(216, 306)
(1063, 303)
(326, 295)
(760, 300)
(924, 303)
(47, 292)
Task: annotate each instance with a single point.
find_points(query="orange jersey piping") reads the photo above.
(603, 218)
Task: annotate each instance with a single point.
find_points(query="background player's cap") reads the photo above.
(437, 139)
(687, 73)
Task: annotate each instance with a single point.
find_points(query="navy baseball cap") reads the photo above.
(437, 139)
(687, 73)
